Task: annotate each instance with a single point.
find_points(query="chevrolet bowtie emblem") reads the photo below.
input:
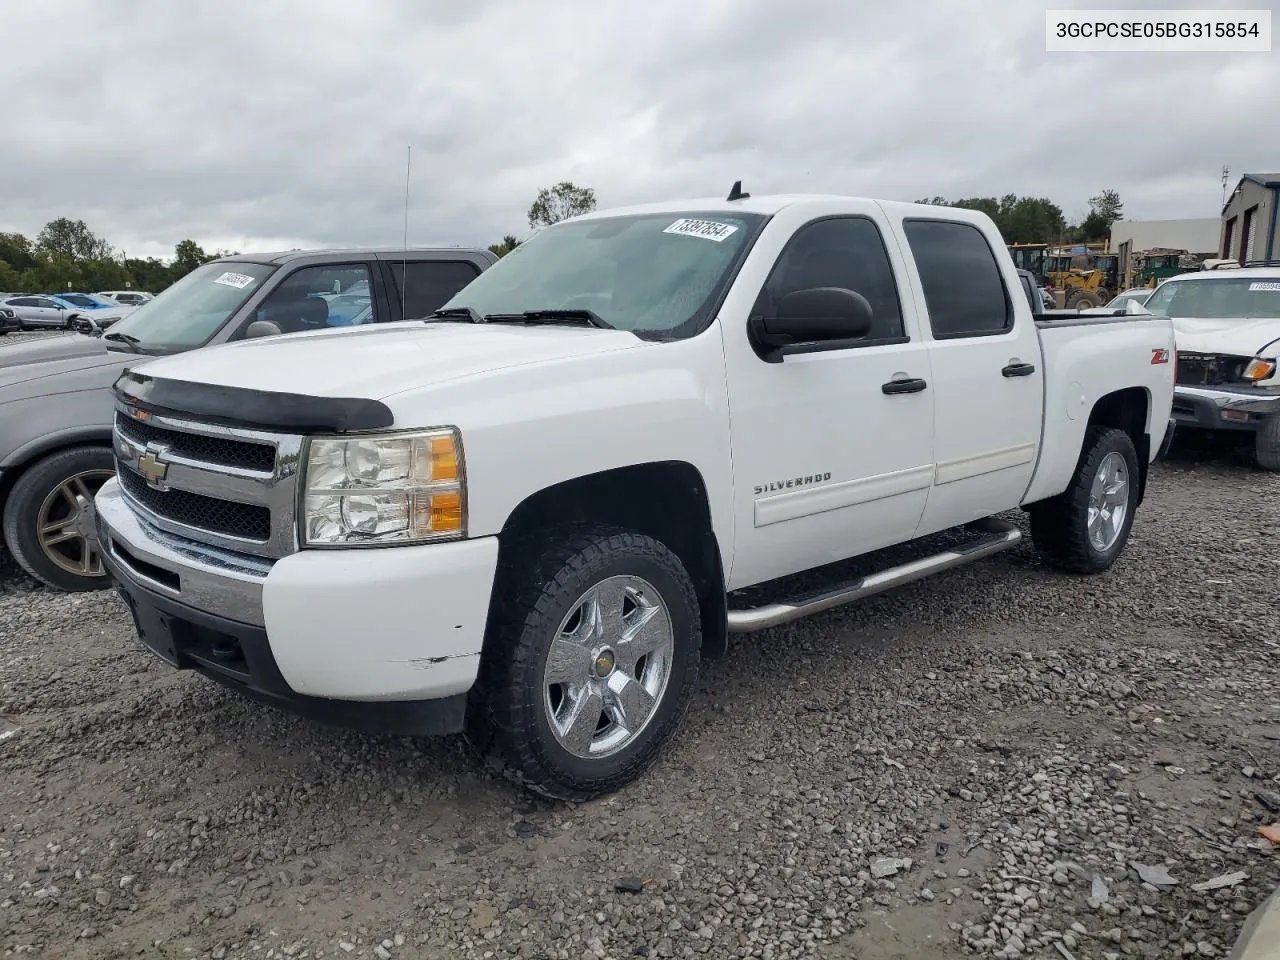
(152, 467)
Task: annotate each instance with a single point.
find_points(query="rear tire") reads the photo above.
(1081, 300)
(1266, 447)
(48, 519)
(1085, 528)
(596, 715)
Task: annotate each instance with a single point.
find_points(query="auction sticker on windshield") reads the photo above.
(1269, 286)
(237, 280)
(706, 229)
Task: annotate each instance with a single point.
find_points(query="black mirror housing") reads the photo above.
(812, 318)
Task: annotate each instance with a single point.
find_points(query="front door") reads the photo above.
(987, 377)
(828, 461)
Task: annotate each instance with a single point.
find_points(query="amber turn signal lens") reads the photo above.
(444, 459)
(1259, 369)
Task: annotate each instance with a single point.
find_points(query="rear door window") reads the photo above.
(963, 288)
(430, 283)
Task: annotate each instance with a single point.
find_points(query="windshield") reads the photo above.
(656, 275)
(1243, 298)
(188, 313)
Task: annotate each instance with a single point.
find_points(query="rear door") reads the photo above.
(423, 286)
(988, 386)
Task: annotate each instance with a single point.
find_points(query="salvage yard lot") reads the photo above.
(1010, 730)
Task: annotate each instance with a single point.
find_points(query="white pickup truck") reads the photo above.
(527, 516)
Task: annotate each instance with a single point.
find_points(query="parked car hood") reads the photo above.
(379, 360)
(32, 359)
(1241, 338)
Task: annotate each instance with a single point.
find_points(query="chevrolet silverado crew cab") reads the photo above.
(56, 408)
(530, 516)
(1227, 326)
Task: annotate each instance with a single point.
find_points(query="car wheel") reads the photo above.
(49, 519)
(1085, 528)
(1266, 449)
(591, 658)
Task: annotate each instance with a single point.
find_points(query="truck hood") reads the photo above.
(48, 356)
(1241, 338)
(379, 360)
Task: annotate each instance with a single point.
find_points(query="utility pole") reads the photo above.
(1226, 173)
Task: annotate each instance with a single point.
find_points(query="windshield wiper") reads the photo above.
(129, 341)
(456, 313)
(589, 317)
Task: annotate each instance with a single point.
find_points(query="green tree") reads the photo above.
(17, 251)
(72, 239)
(1019, 219)
(560, 202)
(187, 255)
(1108, 206)
(508, 244)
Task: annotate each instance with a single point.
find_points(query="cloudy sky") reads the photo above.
(254, 125)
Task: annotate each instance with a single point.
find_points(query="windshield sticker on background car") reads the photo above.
(706, 229)
(1269, 286)
(237, 280)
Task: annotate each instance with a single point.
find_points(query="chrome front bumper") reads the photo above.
(216, 581)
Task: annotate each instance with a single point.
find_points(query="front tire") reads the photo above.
(1085, 528)
(1266, 444)
(49, 519)
(590, 661)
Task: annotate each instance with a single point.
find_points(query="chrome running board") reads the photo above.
(1000, 536)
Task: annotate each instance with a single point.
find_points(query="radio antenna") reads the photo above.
(404, 249)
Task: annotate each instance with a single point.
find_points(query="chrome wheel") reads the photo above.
(608, 667)
(1108, 502)
(65, 524)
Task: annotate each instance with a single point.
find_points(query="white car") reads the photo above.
(1122, 299)
(1227, 324)
(127, 298)
(528, 516)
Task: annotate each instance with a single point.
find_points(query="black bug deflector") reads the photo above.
(254, 409)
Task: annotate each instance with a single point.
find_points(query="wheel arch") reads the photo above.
(20, 460)
(1128, 409)
(666, 500)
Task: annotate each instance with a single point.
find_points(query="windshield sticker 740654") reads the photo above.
(706, 229)
(1269, 286)
(237, 280)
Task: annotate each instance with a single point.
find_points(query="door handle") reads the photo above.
(1018, 370)
(908, 385)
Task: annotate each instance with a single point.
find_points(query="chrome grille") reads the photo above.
(209, 514)
(219, 450)
(226, 487)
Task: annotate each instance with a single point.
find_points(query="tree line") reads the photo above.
(1040, 220)
(67, 255)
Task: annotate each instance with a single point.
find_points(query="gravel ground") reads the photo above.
(974, 765)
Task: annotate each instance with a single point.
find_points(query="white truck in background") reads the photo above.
(524, 517)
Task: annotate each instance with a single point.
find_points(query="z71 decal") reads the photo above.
(1159, 355)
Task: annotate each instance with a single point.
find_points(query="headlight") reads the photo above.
(392, 488)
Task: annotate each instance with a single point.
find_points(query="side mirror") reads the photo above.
(262, 328)
(813, 319)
